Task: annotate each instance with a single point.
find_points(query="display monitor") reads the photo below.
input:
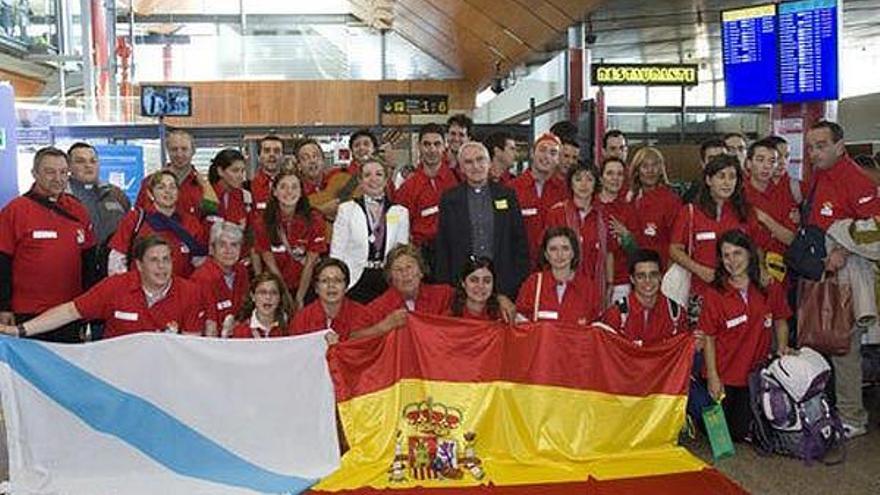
(808, 51)
(166, 101)
(749, 42)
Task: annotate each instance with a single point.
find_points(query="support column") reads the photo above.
(574, 83)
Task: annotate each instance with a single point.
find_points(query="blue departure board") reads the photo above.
(808, 57)
(749, 42)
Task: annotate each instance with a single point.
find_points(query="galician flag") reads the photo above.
(166, 414)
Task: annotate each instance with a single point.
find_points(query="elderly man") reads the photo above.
(197, 196)
(46, 247)
(224, 280)
(481, 218)
(107, 204)
(148, 299)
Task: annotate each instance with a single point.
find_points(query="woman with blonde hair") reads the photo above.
(654, 203)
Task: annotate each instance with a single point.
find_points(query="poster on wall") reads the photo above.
(792, 130)
(8, 145)
(123, 166)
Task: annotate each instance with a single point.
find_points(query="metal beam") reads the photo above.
(236, 19)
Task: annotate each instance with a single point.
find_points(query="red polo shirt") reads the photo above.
(302, 237)
(431, 299)
(244, 330)
(580, 304)
(842, 191)
(654, 216)
(181, 254)
(46, 250)
(261, 189)
(220, 300)
(189, 198)
(777, 202)
(706, 232)
(312, 318)
(234, 205)
(120, 301)
(646, 325)
(421, 194)
(742, 327)
(534, 207)
(624, 213)
(590, 231)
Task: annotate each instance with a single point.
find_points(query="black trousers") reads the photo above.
(370, 286)
(72, 333)
(737, 411)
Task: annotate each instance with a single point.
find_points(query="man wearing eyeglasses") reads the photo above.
(645, 316)
(47, 247)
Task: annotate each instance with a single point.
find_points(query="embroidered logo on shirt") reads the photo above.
(768, 320)
(827, 209)
(705, 236)
(125, 316)
(865, 199)
(80, 236)
(651, 229)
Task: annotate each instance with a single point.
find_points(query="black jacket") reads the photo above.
(453, 244)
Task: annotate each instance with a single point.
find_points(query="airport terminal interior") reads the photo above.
(663, 79)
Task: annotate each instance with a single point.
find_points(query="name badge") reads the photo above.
(261, 205)
(528, 212)
(278, 249)
(45, 234)
(126, 316)
(865, 199)
(224, 305)
(113, 206)
(548, 315)
(705, 236)
(500, 204)
(427, 212)
(739, 320)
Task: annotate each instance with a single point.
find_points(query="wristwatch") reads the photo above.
(22, 333)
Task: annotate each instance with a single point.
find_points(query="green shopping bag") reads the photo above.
(716, 429)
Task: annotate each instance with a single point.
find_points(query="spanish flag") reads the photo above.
(464, 407)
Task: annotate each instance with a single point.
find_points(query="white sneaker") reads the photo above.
(852, 431)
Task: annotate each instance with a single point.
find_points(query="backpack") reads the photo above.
(791, 413)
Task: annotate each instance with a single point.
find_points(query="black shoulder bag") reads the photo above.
(806, 254)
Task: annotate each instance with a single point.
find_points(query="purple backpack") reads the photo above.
(790, 410)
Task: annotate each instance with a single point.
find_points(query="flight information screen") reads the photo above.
(749, 40)
(808, 57)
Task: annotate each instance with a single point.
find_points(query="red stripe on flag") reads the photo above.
(706, 482)
(448, 349)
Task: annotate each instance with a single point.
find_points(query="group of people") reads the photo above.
(309, 247)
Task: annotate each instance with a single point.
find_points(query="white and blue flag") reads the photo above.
(159, 413)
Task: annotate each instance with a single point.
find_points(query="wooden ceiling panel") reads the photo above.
(471, 36)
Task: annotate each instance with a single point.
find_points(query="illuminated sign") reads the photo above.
(414, 104)
(645, 74)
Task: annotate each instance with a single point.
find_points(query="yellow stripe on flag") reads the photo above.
(524, 434)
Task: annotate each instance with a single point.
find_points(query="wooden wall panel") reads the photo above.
(309, 102)
(24, 86)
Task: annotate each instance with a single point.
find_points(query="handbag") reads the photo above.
(676, 284)
(717, 431)
(806, 254)
(825, 316)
